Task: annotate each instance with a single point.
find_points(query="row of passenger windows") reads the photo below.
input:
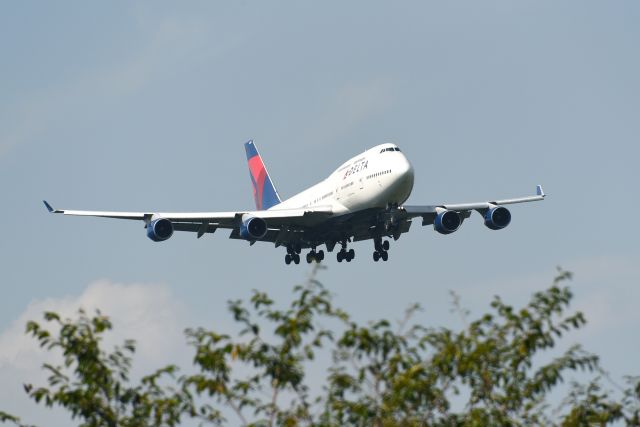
(346, 185)
(379, 174)
(390, 149)
(351, 183)
(324, 197)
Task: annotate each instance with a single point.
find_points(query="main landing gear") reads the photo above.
(293, 254)
(345, 254)
(315, 256)
(382, 248)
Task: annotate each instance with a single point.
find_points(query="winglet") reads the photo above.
(540, 191)
(49, 208)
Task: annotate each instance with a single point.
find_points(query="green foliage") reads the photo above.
(276, 358)
(497, 370)
(93, 385)
(5, 418)
(408, 377)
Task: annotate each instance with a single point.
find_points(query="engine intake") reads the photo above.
(252, 228)
(159, 229)
(497, 217)
(446, 222)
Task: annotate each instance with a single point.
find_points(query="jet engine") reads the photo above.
(497, 217)
(159, 229)
(446, 222)
(252, 227)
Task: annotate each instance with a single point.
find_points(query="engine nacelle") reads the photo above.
(252, 227)
(446, 222)
(497, 217)
(159, 229)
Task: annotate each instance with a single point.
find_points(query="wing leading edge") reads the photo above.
(208, 222)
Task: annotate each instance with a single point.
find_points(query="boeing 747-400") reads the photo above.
(361, 200)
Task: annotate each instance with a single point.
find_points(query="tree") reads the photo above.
(93, 385)
(381, 375)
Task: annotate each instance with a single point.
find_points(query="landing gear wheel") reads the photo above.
(287, 259)
(296, 258)
(344, 254)
(315, 256)
(385, 245)
(384, 255)
(376, 256)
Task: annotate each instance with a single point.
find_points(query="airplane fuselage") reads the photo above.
(379, 177)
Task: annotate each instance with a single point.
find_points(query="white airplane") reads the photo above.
(360, 200)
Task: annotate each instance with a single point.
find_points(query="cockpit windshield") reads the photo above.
(389, 149)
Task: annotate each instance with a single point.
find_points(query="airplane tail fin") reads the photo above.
(264, 192)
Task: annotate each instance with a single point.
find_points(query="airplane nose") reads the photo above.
(406, 170)
(405, 173)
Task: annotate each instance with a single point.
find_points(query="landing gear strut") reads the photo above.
(381, 250)
(293, 254)
(345, 254)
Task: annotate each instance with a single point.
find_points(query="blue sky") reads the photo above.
(145, 106)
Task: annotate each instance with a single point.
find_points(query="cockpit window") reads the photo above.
(389, 149)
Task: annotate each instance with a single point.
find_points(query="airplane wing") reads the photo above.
(208, 222)
(429, 212)
(319, 223)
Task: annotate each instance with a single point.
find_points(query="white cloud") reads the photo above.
(146, 313)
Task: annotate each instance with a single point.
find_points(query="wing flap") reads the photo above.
(195, 227)
(271, 236)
